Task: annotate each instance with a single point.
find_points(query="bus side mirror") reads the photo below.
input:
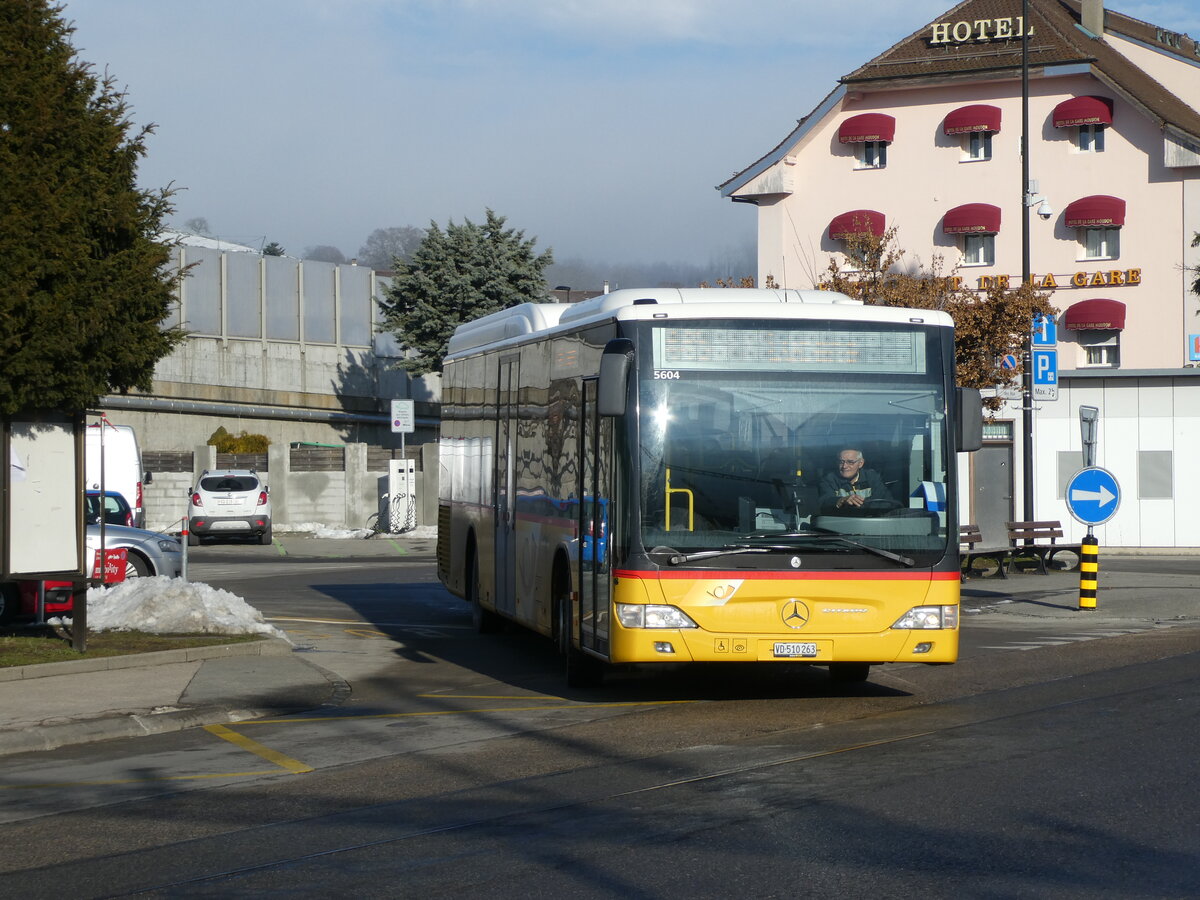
(615, 364)
(969, 419)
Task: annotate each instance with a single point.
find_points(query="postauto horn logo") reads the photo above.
(794, 613)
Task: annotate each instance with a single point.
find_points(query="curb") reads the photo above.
(143, 724)
(86, 731)
(270, 646)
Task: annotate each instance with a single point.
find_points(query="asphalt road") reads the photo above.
(1047, 762)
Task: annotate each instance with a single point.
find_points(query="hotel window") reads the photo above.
(1099, 349)
(1091, 138)
(978, 146)
(872, 154)
(1089, 116)
(1100, 243)
(979, 250)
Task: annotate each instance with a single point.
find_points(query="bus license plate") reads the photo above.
(795, 648)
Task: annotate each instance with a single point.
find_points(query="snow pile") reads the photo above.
(318, 530)
(161, 605)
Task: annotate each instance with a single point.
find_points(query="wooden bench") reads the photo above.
(1045, 543)
(969, 536)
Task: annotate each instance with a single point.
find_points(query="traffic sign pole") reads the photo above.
(1093, 497)
(1089, 571)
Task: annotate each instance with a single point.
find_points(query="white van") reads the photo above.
(123, 471)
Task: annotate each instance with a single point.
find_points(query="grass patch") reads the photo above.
(47, 644)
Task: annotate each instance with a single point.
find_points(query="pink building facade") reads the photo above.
(926, 138)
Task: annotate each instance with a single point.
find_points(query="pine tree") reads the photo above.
(456, 275)
(84, 286)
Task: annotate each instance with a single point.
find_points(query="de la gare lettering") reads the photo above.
(1050, 282)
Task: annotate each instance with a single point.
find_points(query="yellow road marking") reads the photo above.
(292, 765)
(115, 781)
(316, 621)
(363, 632)
(487, 697)
(456, 712)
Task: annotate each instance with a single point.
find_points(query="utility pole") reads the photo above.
(1027, 354)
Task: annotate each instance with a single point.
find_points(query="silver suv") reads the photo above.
(229, 502)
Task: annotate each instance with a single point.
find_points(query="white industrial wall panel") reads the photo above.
(318, 302)
(243, 295)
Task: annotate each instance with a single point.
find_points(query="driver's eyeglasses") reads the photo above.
(849, 462)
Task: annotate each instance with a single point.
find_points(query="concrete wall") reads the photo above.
(346, 499)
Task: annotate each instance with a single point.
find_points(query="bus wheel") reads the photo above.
(583, 671)
(848, 672)
(484, 620)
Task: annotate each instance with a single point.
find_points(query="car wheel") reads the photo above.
(265, 537)
(136, 567)
(10, 602)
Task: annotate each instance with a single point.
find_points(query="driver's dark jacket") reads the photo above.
(869, 486)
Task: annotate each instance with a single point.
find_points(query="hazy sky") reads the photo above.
(600, 127)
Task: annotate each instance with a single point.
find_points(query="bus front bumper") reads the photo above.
(931, 646)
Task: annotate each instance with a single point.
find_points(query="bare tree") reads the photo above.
(198, 225)
(384, 246)
(324, 253)
(987, 327)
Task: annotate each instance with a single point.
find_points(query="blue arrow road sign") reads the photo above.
(1045, 331)
(1093, 495)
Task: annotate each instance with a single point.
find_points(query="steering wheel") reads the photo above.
(879, 505)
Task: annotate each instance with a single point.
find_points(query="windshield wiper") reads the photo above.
(822, 534)
(677, 559)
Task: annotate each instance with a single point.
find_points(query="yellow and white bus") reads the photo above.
(653, 476)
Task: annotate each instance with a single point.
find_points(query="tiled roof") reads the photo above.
(1057, 39)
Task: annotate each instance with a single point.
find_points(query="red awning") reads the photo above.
(867, 127)
(966, 119)
(1097, 211)
(1083, 111)
(856, 222)
(972, 218)
(1095, 314)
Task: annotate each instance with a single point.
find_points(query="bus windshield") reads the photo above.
(815, 437)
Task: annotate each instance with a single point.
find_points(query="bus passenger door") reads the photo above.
(505, 507)
(595, 457)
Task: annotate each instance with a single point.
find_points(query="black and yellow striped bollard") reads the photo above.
(1089, 572)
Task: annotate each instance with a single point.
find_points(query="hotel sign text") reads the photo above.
(978, 30)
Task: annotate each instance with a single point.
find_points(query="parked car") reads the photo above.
(147, 553)
(229, 502)
(116, 509)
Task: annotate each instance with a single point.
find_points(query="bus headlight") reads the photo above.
(921, 618)
(643, 615)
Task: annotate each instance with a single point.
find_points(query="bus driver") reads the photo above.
(851, 485)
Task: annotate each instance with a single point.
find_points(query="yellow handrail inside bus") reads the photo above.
(691, 504)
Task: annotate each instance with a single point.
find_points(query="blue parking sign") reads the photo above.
(1045, 374)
